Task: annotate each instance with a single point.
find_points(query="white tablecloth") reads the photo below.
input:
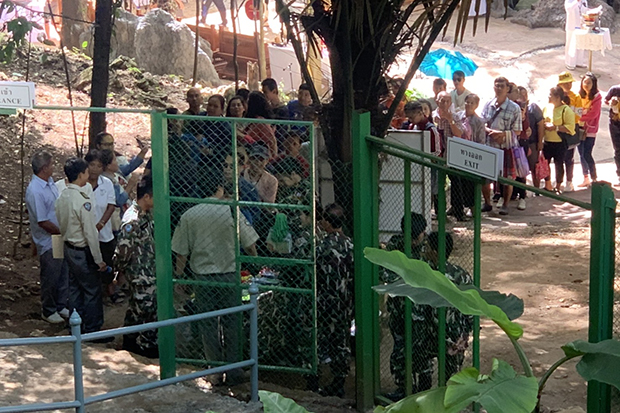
(585, 40)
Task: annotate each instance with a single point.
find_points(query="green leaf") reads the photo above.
(430, 401)
(503, 391)
(276, 403)
(599, 361)
(419, 274)
(84, 44)
(510, 304)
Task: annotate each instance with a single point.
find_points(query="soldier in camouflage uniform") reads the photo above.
(396, 305)
(135, 258)
(334, 272)
(458, 325)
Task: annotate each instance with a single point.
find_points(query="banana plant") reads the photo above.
(503, 390)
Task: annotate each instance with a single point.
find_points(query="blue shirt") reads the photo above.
(40, 199)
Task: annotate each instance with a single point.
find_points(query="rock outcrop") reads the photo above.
(550, 13)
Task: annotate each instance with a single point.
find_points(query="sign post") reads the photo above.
(475, 158)
(16, 95)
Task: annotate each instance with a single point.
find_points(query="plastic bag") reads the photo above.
(279, 238)
(542, 167)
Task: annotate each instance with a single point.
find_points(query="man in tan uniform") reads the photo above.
(76, 218)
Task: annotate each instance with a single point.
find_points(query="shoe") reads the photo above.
(503, 210)
(396, 395)
(570, 67)
(521, 205)
(53, 318)
(569, 187)
(500, 203)
(64, 313)
(496, 197)
(585, 184)
(487, 208)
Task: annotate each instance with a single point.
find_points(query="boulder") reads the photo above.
(550, 13)
(164, 45)
(124, 34)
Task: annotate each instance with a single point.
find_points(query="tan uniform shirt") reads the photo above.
(76, 215)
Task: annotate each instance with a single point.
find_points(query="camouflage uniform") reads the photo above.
(135, 258)
(424, 331)
(396, 320)
(334, 301)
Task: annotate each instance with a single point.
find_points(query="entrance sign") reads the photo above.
(17, 95)
(475, 158)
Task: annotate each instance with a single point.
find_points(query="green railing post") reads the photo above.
(407, 250)
(602, 266)
(163, 251)
(441, 252)
(363, 236)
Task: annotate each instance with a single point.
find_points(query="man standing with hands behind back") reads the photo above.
(76, 218)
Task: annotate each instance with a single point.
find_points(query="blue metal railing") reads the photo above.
(77, 339)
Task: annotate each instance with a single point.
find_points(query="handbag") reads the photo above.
(542, 167)
(522, 167)
(570, 141)
(581, 132)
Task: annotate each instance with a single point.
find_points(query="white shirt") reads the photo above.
(458, 101)
(61, 184)
(206, 232)
(103, 196)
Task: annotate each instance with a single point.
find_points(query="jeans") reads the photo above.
(54, 283)
(206, 5)
(614, 131)
(569, 161)
(585, 155)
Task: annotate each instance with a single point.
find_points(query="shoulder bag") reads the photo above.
(570, 141)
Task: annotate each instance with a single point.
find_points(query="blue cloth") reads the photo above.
(131, 166)
(443, 63)
(121, 195)
(41, 197)
(248, 192)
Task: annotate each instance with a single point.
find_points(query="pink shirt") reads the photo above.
(266, 186)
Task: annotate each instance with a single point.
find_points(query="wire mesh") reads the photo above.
(242, 204)
(397, 377)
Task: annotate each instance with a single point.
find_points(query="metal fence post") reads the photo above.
(602, 266)
(365, 310)
(254, 341)
(75, 321)
(163, 252)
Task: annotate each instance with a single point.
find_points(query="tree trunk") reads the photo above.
(70, 32)
(101, 62)
(197, 40)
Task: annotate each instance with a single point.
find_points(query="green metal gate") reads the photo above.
(287, 305)
(369, 154)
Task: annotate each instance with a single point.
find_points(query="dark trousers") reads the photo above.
(557, 152)
(461, 195)
(585, 157)
(85, 288)
(107, 253)
(614, 131)
(206, 5)
(54, 283)
(569, 161)
(220, 335)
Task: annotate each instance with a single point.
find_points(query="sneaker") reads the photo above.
(64, 313)
(487, 208)
(503, 210)
(53, 319)
(521, 205)
(569, 187)
(500, 203)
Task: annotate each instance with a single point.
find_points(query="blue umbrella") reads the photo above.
(443, 63)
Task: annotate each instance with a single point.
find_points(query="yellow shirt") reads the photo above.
(576, 105)
(76, 218)
(562, 116)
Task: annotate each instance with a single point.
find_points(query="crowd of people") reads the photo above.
(530, 137)
(95, 239)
